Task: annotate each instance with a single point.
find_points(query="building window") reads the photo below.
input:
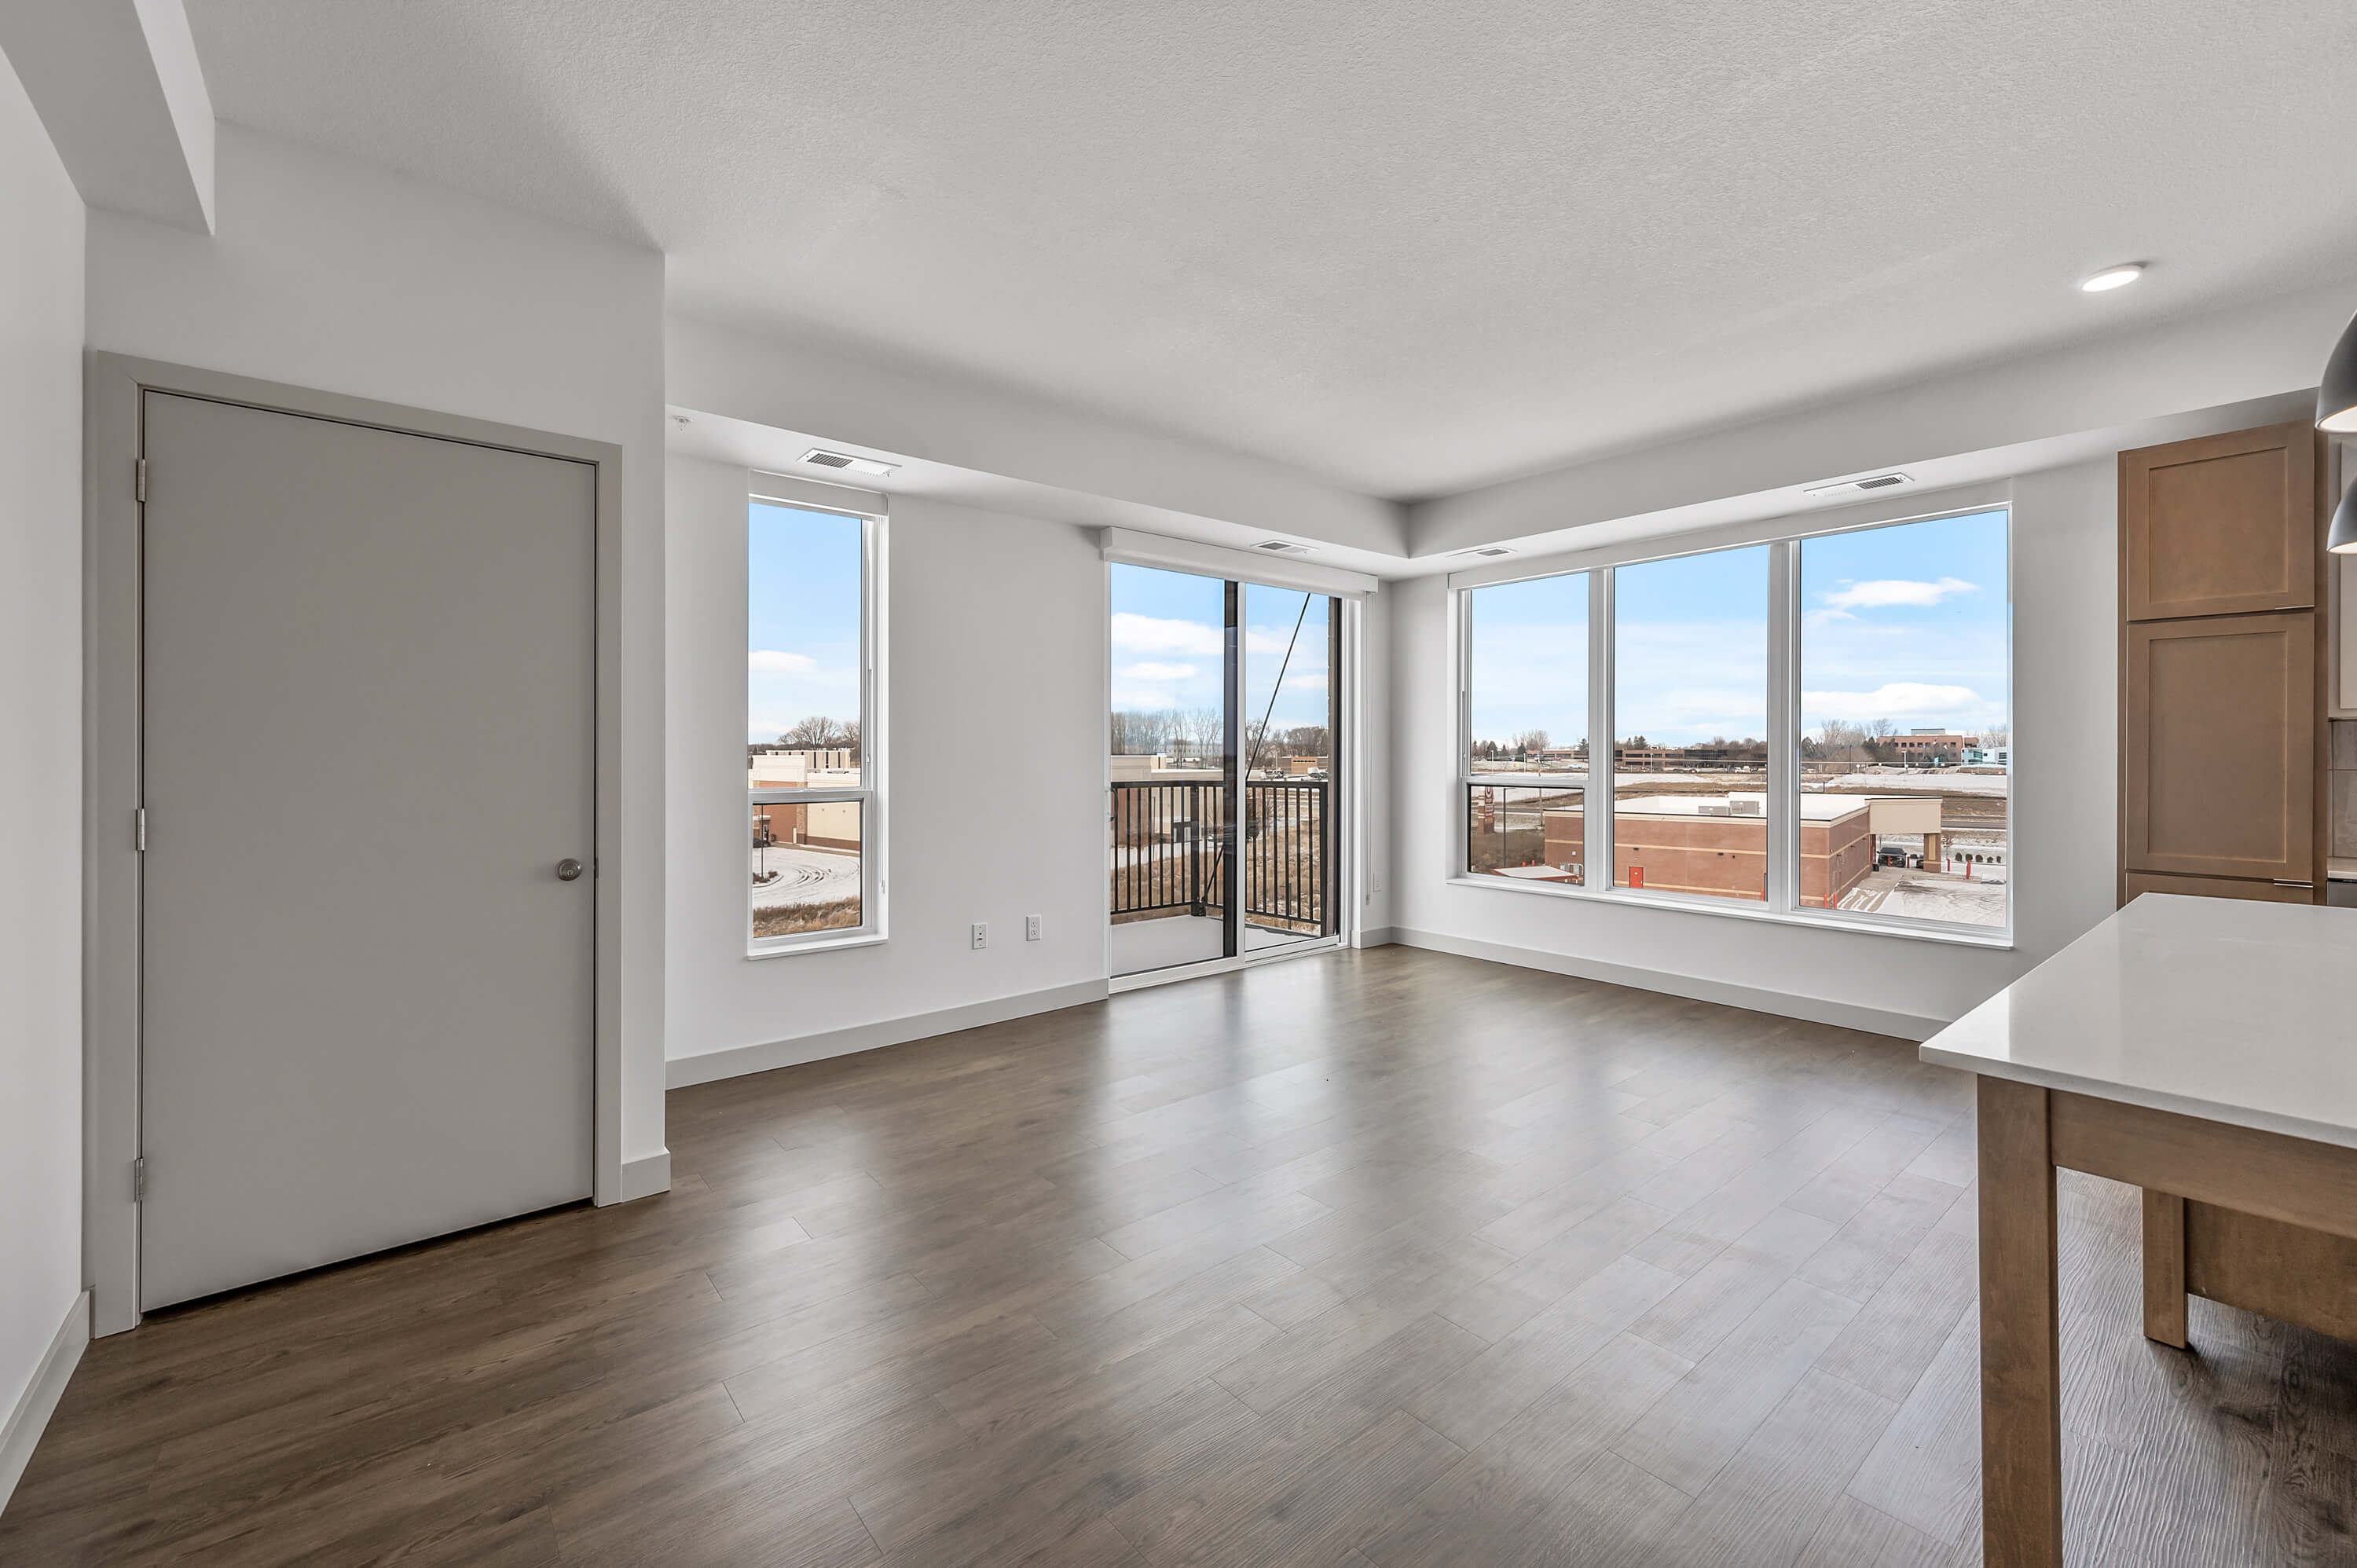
(1525, 740)
(814, 745)
(1690, 706)
(1880, 798)
(1906, 719)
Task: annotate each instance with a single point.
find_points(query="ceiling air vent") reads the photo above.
(1282, 547)
(1853, 487)
(820, 457)
(1486, 550)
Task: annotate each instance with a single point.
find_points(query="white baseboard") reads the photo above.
(1754, 998)
(645, 1177)
(31, 1417)
(713, 1066)
(1375, 936)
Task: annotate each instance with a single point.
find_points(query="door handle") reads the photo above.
(568, 870)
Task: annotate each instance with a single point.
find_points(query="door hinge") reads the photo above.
(139, 1179)
(139, 829)
(139, 479)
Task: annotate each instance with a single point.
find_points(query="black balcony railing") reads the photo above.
(1166, 840)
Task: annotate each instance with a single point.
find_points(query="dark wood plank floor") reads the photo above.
(1383, 1259)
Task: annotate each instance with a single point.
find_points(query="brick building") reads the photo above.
(1718, 844)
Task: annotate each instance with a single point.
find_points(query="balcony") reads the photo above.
(1168, 864)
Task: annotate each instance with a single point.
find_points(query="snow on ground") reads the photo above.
(1974, 903)
(1928, 895)
(1939, 781)
(803, 875)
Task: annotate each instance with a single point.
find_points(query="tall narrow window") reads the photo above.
(810, 742)
(1905, 744)
(1690, 701)
(1525, 742)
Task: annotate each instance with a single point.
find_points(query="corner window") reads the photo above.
(1815, 725)
(812, 742)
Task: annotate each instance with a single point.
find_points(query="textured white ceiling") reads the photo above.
(1413, 247)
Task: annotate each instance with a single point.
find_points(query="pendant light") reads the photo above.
(2336, 395)
(2343, 539)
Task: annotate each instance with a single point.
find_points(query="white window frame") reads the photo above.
(872, 513)
(1783, 535)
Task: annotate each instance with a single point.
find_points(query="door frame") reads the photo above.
(1347, 884)
(113, 768)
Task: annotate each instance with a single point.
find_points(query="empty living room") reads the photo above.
(1177, 786)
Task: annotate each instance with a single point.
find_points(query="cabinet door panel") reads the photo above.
(2218, 757)
(2218, 525)
(2136, 881)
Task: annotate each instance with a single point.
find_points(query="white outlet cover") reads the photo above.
(981, 933)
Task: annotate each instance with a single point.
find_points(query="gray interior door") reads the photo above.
(368, 995)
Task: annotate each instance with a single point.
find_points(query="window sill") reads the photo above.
(830, 944)
(1736, 909)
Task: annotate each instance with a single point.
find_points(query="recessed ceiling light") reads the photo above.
(820, 457)
(2109, 278)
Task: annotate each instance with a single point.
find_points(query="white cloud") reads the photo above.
(1156, 671)
(1900, 699)
(770, 661)
(1137, 634)
(1825, 618)
(1896, 591)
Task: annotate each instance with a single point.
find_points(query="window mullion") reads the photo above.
(1596, 799)
(1783, 727)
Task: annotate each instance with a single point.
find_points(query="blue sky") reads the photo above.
(802, 618)
(1693, 656)
(1906, 623)
(1167, 631)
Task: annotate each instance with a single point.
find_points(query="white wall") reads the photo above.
(40, 756)
(2065, 730)
(2018, 416)
(996, 804)
(922, 414)
(335, 274)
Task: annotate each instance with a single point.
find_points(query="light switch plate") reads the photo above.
(981, 933)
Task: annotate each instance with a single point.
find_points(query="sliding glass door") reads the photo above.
(1223, 770)
(1289, 652)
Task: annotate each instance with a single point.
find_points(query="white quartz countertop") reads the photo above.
(2237, 1011)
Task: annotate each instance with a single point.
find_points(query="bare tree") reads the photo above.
(815, 733)
(1842, 741)
(1531, 741)
(1205, 729)
(1146, 732)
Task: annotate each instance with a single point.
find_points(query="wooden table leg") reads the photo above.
(2021, 1412)
(2164, 1268)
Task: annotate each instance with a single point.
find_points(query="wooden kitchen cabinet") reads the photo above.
(2224, 668)
(2219, 525)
